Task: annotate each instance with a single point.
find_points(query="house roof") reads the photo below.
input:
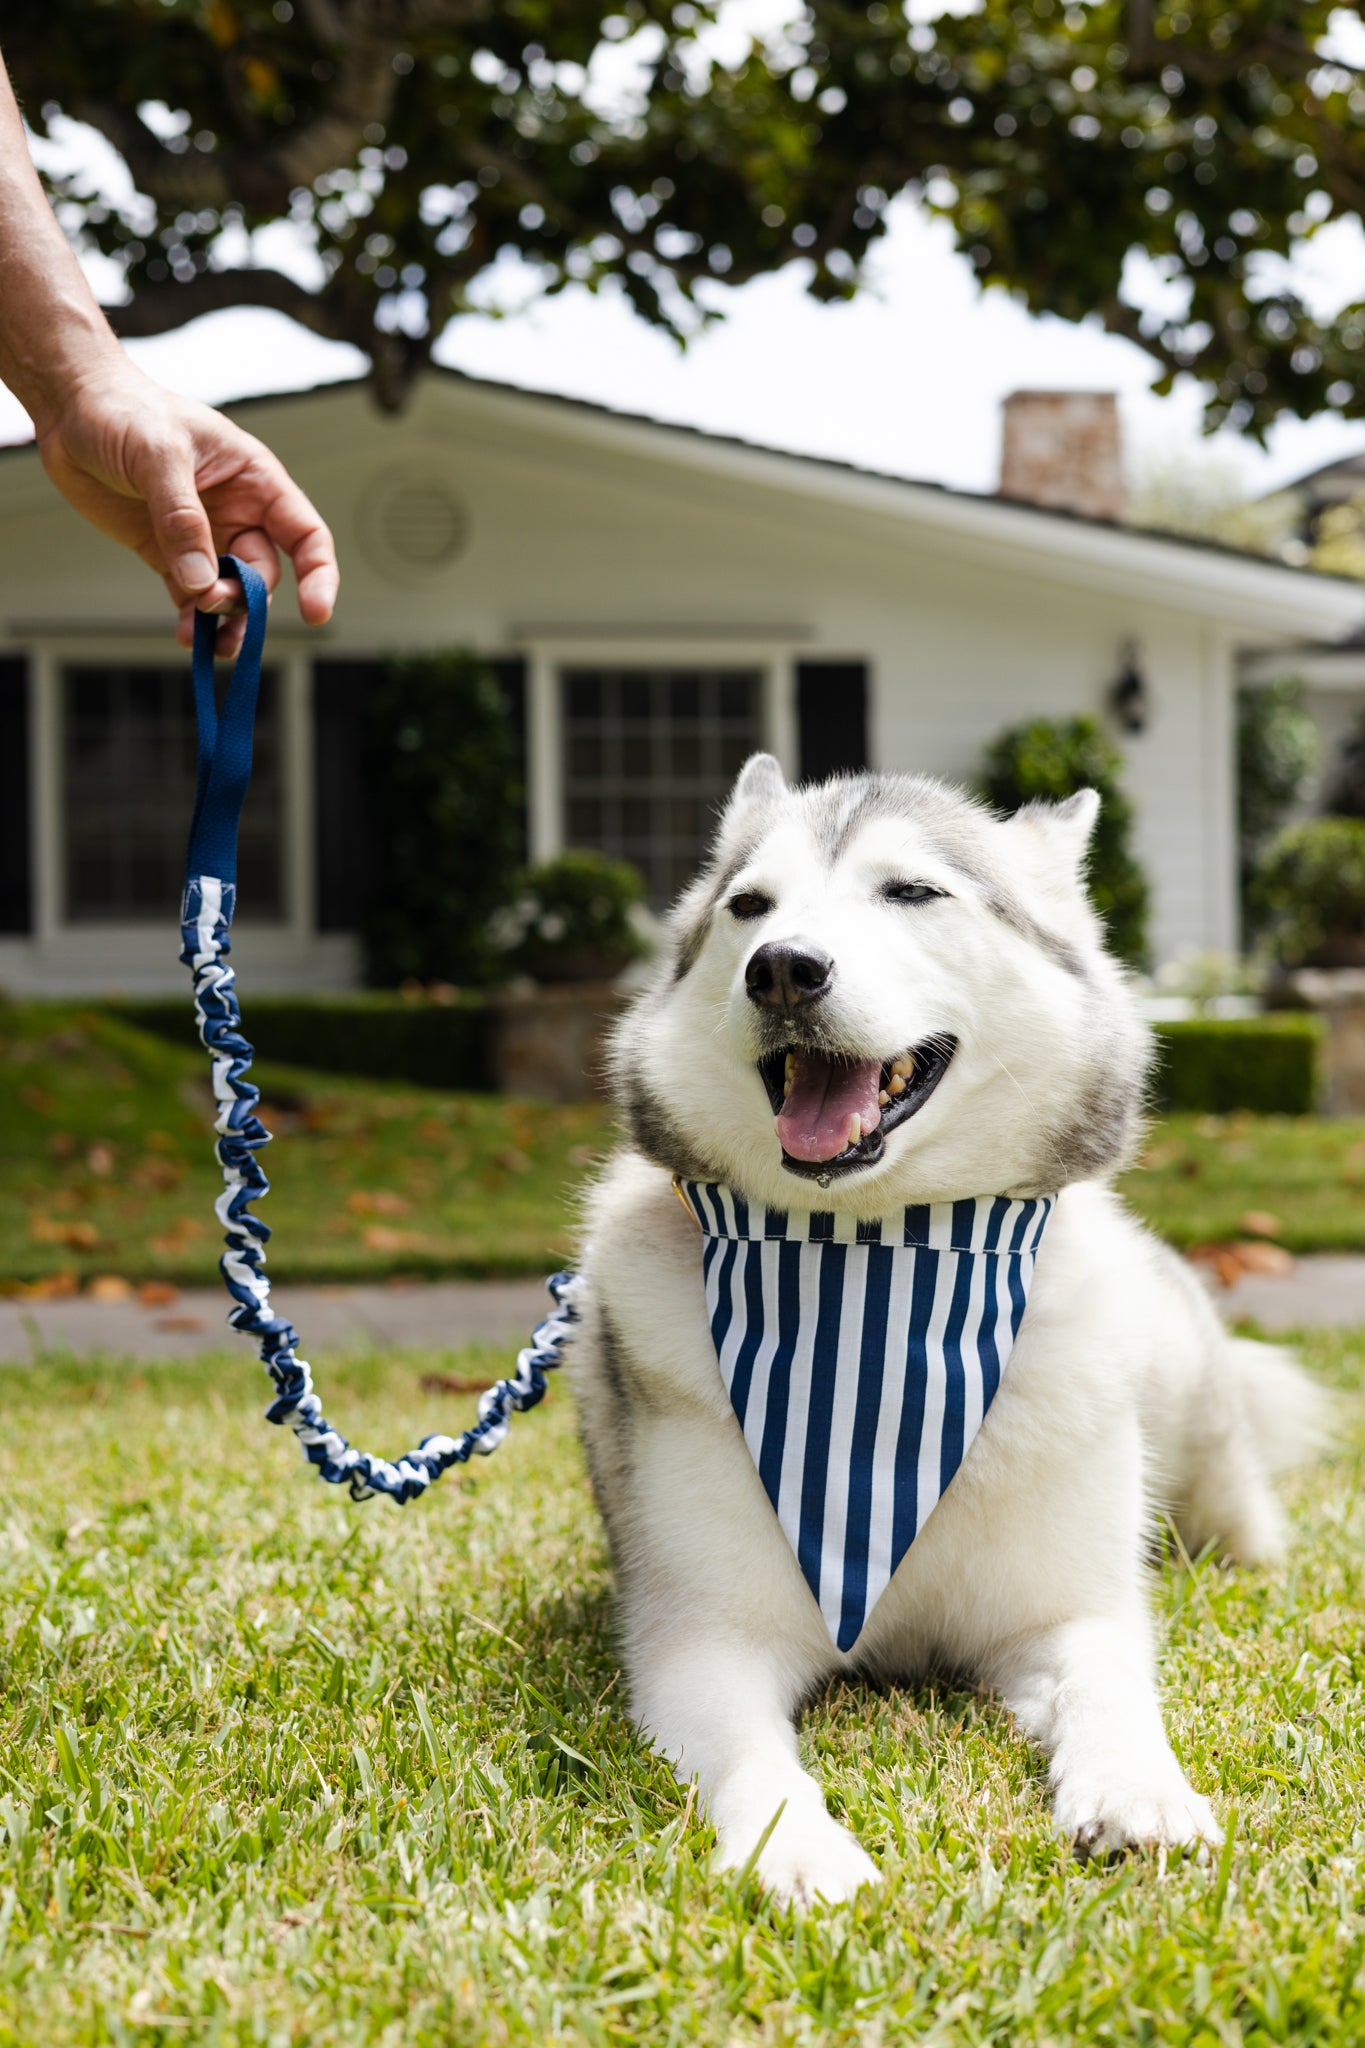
(1215, 568)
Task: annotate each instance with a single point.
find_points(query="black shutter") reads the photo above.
(346, 878)
(831, 717)
(16, 814)
(343, 840)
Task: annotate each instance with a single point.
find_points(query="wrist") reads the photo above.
(80, 352)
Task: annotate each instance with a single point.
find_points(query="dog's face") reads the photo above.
(879, 993)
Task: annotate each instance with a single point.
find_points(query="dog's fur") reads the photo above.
(1124, 1394)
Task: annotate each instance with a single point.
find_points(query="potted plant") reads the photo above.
(1308, 893)
(579, 917)
(572, 926)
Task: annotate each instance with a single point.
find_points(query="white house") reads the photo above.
(658, 602)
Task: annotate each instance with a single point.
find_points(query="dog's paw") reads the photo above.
(1163, 1811)
(808, 1857)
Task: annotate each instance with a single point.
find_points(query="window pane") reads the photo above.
(648, 768)
(128, 776)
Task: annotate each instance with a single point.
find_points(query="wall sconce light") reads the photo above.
(1129, 697)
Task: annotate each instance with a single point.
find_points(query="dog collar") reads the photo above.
(860, 1357)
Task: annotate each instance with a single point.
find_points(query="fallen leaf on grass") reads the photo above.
(109, 1287)
(377, 1237)
(157, 1293)
(452, 1383)
(77, 1237)
(53, 1287)
(379, 1202)
(156, 1176)
(1260, 1223)
(100, 1160)
(178, 1236)
(42, 1100)
(513, 1161)
(1265, 1258)
(1229, 1261)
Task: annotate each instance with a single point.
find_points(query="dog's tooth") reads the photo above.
(883, 1098)
(790, 1068)
(855, 1128)
(904, 1066)
(895, 1086)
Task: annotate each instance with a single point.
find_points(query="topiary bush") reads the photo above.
(1266, 1064)
(1052, 758)
(1308, 893)
(574, 918)
(445, 797)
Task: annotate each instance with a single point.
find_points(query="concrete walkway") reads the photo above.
(1326, 1288)
(328, 1319)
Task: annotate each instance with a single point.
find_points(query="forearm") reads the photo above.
(52, 333)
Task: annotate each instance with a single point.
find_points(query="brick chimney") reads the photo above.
(1062, 449)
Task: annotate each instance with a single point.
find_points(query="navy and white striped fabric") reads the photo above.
(860, 1359)
(205, 929)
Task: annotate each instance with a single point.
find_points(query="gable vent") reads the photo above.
(413, 526)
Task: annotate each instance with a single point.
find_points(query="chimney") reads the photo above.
(1062, 449)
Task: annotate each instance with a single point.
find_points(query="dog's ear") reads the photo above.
(759, 785)
(1064, 829)
(760, 781)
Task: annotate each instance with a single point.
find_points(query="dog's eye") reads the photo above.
(911, 892)
(749, 904)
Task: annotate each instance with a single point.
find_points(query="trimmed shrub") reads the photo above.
(1216, 1064)
(377, 1037)
(1052, 758)
(1308, 892)
(570, 919)
(445, 808)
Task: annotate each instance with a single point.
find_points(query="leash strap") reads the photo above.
(205, 924)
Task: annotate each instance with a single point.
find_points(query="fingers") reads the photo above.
(293, 524)
(181, 532)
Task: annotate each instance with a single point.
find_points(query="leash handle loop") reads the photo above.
(224, 766)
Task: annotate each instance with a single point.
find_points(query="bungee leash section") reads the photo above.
(205, 921)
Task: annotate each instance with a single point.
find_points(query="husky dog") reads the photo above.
(918, 992)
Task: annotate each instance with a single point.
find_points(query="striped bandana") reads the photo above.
(860, 1359)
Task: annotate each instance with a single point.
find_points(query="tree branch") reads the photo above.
(157, 309)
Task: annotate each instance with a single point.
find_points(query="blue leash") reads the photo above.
(205, 919)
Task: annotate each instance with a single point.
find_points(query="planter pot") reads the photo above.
(1340, 949)
(551, 1042)
(1337, 995)
(584, 965)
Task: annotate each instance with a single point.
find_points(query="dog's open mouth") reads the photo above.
(834, 1113)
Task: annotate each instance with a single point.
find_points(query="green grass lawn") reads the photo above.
(277, 1770)
(106, 1140)
(108, 1168)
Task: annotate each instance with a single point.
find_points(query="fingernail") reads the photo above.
(195, 572)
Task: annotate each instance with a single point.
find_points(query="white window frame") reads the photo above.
(546, 659)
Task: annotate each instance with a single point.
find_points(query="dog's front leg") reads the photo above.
(1085, 1690)
(721, 1711)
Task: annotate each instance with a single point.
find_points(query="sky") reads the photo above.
(907, 379)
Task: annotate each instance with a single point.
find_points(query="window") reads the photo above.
(650, 754)
(128, 776)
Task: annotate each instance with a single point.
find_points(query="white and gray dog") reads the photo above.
(876, 995)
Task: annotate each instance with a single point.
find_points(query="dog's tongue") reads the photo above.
(824, 1094)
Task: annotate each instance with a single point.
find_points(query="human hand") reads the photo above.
(181, 484)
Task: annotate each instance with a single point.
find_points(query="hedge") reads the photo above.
(380, 1036)
(1269, 1064)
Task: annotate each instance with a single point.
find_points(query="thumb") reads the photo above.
(184, 538)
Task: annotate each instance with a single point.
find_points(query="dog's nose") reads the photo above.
(782, 974)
